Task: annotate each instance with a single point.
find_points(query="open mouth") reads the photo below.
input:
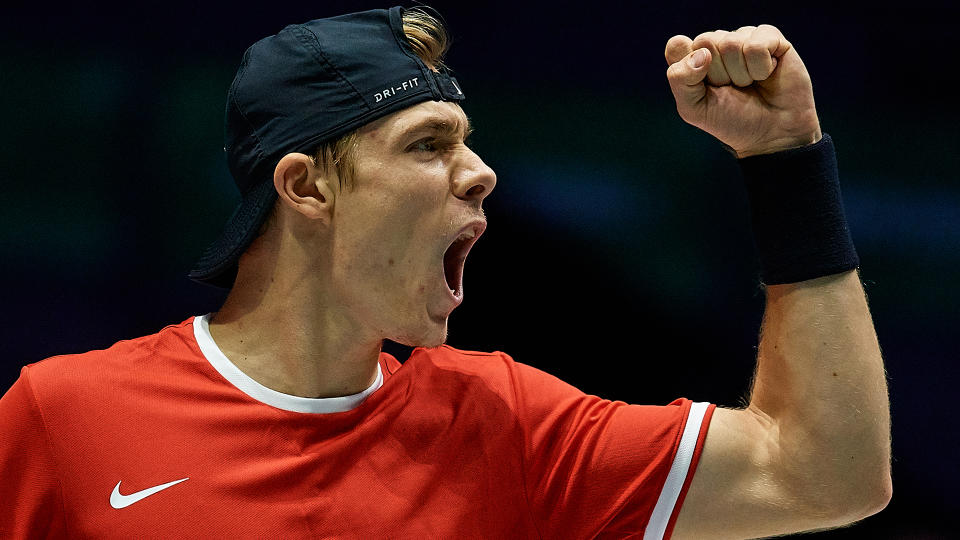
(456, 255)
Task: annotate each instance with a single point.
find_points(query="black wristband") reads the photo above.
(799, 226)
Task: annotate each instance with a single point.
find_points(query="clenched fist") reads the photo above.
(747, 88)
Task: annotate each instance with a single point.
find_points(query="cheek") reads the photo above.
(388, 231)
(391, 253)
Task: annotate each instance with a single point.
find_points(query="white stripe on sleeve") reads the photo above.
(677, 475)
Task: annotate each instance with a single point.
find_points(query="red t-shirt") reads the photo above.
(162, 437)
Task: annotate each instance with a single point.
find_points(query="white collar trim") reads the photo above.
(259, 392)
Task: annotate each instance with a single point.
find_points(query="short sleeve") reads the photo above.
(32, 504)
(600, 468)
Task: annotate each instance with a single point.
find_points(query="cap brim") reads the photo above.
(218, 264)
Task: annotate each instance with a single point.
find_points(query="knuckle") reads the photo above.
(729, 44)
(676, 47)
(768, 28)
(675, 71)
(754, 48)
(676, 40)
(706, 37)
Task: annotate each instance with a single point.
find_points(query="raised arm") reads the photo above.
(812, 449)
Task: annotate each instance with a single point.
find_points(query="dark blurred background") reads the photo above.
(619, 255)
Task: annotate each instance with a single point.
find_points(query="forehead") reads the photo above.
(428, 115)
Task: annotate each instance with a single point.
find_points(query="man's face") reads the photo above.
(397, 261)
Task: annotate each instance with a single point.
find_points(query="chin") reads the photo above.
(431, 335)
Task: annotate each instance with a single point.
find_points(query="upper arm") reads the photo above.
(29, 485)
(597, 467)
(746, 485)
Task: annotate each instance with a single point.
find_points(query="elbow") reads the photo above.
(871, 490)
(852, 481)
(877, 496)
(837, 496)
(860, 498)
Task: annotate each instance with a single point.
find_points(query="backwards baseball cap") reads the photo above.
(309, 84)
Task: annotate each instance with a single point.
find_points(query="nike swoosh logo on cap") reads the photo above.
(118, 500)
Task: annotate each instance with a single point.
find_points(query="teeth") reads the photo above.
(467, 235)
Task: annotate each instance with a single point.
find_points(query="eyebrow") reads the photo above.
(435, 123)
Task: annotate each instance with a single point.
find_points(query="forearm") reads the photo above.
(820, 380)
(812, 449)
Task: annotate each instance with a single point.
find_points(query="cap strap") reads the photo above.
(447, 85)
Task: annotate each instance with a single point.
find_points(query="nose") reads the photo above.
(473, 180)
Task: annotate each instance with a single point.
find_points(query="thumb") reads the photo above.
(686, 80)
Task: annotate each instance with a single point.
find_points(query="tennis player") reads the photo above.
(280, 416)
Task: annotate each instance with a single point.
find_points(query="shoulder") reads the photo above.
(63, 377)
(497, 371)
(462, 370)
(453, 361)
(452, 357)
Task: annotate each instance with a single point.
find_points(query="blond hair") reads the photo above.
(428, 38)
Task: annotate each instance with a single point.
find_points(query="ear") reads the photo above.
(302, 187)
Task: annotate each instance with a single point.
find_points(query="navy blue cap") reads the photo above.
(310, 83)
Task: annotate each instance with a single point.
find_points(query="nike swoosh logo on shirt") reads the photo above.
(118, 500)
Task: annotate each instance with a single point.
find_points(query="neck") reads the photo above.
(302, 348)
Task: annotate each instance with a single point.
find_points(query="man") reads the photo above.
(279, 414)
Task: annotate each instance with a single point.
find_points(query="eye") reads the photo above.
(423, 145)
